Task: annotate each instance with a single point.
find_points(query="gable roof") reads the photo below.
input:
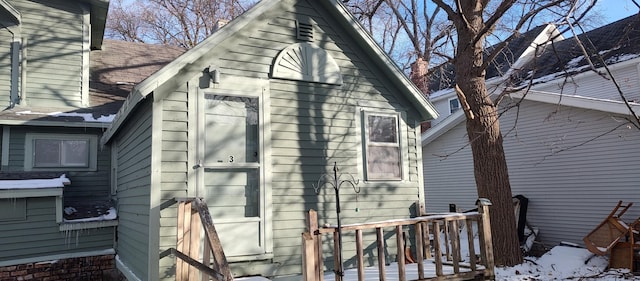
(337, 10)
(615, 42)
(114, 70)
(442, 77)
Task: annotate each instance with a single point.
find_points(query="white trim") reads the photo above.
(15, 14)
(124, 269)
(155, 191)
(68, 226)
(101, 125)
(86, 49)
(53, 258)
(306, 62)
(401, 142)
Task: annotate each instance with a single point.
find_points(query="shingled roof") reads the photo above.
(612, 43)
(119, 66)
(114, 70)
(443, 76)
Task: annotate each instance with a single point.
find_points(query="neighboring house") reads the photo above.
(570, 142)
(57, 98)
(249, 120)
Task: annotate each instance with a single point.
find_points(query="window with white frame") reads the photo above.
(56, 152)
(454, 105)
(382, 146)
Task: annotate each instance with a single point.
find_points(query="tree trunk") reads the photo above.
(483, 129)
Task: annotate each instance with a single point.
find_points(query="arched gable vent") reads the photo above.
(306, 62)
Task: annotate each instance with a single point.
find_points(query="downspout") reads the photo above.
(23, 74)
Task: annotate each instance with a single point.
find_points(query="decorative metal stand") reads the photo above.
(335, 181)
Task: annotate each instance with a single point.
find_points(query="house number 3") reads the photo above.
(231, 159)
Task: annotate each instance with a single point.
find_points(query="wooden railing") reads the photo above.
(429, 231)
(193, 215)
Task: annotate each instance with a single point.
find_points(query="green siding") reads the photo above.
(39, 234)
(5, 65)
(312, 126)
(133, 148)
(175, 137)
(84, 184)
(54, 32)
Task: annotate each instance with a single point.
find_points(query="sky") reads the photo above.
(614, 10)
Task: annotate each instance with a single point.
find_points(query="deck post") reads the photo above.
(312, 259)
(483, 208)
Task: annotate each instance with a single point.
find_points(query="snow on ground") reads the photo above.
(564, 263)
(560, 263)
(35, 183)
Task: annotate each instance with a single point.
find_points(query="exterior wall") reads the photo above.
(312, 126)
(175, 141)
(592, 85)
(84, 184)
(53, 27)
(573, 165)
(5, 64)
(441, 104)
(87, 268)
(38, 234)
(132, 147)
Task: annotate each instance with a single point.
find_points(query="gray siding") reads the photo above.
(573, 165)
(54, 30)
(133, 149)
(39, 234)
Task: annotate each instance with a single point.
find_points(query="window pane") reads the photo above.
(75, 153)
(46, 153)
(232, 193)
(382, 129)
(231, 132)
(383, 162)
(454, 105)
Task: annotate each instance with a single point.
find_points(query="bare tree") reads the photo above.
(474, 21)
(182, 23)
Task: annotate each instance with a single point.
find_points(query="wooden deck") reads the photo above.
(437, 239)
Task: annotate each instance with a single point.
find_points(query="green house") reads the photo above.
(55, 194)
(249, 120)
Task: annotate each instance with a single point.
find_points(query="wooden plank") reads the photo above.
(472, 248)
(420, 249)
(213, 240)
(337, 261)
(455, 245)
(380, 246)
(308, 257)
(194, 248)
(180, 241)
(427, 240)
(402, 276)
(360, 255)
(438, 251)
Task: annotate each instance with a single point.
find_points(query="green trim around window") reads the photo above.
(30, 153)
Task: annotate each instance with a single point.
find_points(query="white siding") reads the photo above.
(573, 165)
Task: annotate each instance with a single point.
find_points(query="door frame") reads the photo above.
(244, 87)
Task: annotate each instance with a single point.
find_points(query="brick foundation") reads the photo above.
(86, 268)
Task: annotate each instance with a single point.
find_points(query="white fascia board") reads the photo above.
(439, 129)
(590, 73)
(610, 106)
(13, 12)
(360, 34)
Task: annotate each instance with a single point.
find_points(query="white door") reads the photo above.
(230, 171)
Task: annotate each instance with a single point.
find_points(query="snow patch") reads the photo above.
(111, 214)
(35, 183)
(88, 117)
